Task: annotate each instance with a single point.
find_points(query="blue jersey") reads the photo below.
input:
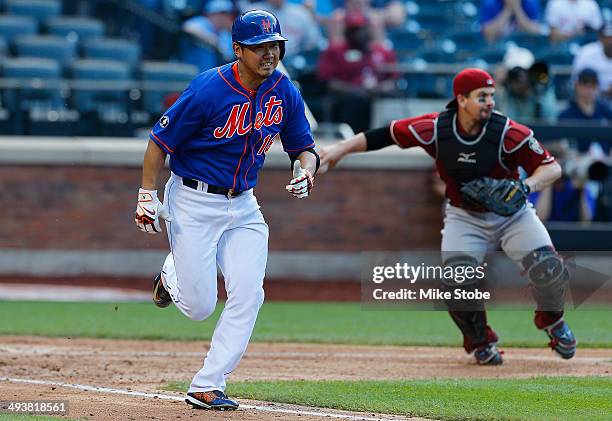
(219, 132)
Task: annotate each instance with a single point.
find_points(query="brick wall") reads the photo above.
(90, 208)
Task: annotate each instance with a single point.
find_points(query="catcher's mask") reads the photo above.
(257, 27)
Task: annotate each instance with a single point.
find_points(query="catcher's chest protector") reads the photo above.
(467, 160)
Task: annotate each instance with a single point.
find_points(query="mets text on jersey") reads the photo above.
(236, 121)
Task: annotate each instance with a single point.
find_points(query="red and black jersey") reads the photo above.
(497, 151)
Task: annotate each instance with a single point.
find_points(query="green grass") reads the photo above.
(540, 398)
(287, 322)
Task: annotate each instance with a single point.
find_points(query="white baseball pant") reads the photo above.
(209, 230)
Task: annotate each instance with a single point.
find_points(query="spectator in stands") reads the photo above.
(299, 26)
(567, 199)
(321, 10)
(354, 70)
(381, 14)
(527, 93)
(571, 18)
(585, 105)
(598, 56)
(500, 18)
(209, 36)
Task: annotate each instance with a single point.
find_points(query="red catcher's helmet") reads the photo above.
(257, 27)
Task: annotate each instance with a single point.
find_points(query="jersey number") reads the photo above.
(267, 144)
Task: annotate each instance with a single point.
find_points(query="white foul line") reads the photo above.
(89, 388)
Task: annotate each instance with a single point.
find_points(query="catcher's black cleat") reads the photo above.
(214, 399)
(489, 355)
(562, 340)
(161, 296)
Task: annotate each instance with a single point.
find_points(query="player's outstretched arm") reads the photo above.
(331, 155)
(543, 176)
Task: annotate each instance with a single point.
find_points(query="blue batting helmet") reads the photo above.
(256, 27)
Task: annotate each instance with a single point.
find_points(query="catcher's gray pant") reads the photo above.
(209, 230)
(473, 234)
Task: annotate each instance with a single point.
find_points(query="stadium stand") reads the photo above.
(437, 38)
(37, 91)
(161, 79)
(12, 26)
(122, 50)
(41, 10)
(76, 27)
(3, 47)
(100, 92)
(46, 46)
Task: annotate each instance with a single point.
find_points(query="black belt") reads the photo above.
(193, 184)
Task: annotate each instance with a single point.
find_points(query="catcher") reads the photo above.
(477, 152)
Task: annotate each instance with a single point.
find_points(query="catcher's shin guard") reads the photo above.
(549, 278)
(476, 332)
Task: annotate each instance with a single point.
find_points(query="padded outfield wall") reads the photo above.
(68, 211)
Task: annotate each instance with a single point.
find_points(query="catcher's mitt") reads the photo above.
(504, 197)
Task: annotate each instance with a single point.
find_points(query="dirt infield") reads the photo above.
(145, 366)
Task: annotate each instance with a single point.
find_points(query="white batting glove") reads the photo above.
(302, 181)
(149, 210)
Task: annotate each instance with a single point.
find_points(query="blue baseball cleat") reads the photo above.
(214, 399)
(488, 355)
(562, 340)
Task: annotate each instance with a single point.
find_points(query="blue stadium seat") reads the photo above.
(83, 28)
(436, 55)
(586, 38)
(13, 26)
(31, 74)
(37, 91)
(41, 10)
(532, 42)
(3, 47)
(47, 46)
(113, 49)
(403, 40)
(493, 54)
(467, 41)
(562, 57)
(429, 85)
(94, 84)
(101, 94)
(435, 23)
(163, 78)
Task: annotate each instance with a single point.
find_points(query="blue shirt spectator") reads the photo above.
(573, 112)
(318, 7)
(210, 36)
(500, 18)
(567, 202)
(586, 106)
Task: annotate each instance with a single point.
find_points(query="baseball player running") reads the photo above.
(477, 152)
(217, 134)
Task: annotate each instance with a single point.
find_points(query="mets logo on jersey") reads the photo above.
(164, 121)
(237, 121)
(265, 24)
